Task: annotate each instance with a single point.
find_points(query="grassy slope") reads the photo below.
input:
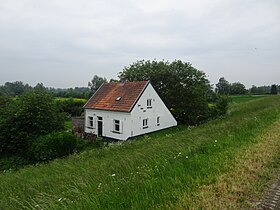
(151, 172)
(245, 98)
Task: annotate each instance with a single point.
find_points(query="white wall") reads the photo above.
(140, 112)
(108, 117)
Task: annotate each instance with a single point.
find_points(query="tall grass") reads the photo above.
(149, 172)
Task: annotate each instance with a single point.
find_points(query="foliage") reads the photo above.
(13, 162)
(71, 106)
(223, 87)
(159, 170)
(18, 88)
(261, 90)
(4, 99)
(96, 82)
(273, 90)
(15, 88)
(77, 92)
(183, 88)
(237, 88)
(25, 118)
(113, 80)
(220, 106)
(53, 145)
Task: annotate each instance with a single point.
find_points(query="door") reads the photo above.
(100, 126)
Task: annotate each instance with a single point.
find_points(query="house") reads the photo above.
(124, 110)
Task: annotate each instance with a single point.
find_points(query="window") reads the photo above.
(117, 126)
(145, 123)
(90, 122)
(149, 103)
(158, 118)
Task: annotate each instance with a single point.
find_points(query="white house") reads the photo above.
(124, 110)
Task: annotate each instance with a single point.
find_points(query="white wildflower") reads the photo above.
(59, 199)
(187, 157)
(113, 175)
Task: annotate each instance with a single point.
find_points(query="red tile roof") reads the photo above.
(106, 97)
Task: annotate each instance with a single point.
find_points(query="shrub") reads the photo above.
(219, 107)
(70, 106)
(26, 118)
(53, 145)
(12, 162)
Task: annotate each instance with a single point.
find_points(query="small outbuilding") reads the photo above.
(124, 110)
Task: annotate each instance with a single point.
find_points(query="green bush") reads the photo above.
(70, 106)
(25, 118)
(219, 107)
(12, 162)
(53, 145)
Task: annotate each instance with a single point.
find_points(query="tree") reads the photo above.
(273, 90)
(223, 86)
(113, 80)
(237, 88)
(71, 107)
(40, 87)
(24, 119)
(96, 82)
(183, 88)
(260, 90)
(15, 88)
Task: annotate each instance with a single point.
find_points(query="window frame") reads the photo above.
(149, 103)
(116, 123)
(158, 120)
(145, 123)
(90, 122)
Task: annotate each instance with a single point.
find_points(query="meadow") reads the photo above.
(225, 163)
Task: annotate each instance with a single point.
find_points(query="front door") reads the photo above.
(100, 126)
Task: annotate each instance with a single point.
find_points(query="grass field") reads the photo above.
(245, 98)
(225, 163)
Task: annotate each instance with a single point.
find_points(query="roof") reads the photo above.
(117, 96)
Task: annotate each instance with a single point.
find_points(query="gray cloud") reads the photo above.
(64, 43)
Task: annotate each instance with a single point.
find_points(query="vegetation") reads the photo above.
(95, 83)
(14, 88)
(273, 90)
(26, 118)
(183, 88)
(53, 145)
(72, 107)
(183, 167)
(261, 90)
(223, 87)
(245, 98)
(77, 92)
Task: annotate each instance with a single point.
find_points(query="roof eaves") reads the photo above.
(84, 107)
(109, 110)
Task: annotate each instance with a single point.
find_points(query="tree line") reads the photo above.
(237, 88)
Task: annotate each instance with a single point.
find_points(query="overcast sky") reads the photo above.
(63, 43)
